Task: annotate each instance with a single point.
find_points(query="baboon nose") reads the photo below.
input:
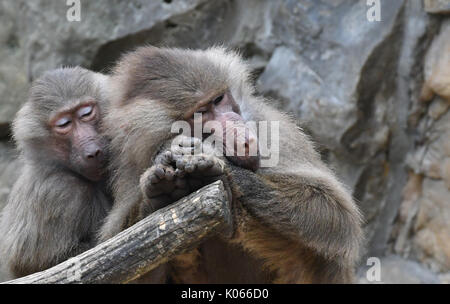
(93, 154)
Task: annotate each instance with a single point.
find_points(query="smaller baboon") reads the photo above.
(60, 199)
(296, 223)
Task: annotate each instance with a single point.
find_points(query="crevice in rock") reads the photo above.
(197, 28)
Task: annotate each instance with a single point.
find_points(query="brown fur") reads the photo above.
(297, 222)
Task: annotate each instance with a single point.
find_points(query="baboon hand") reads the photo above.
(196, 160)
(160, 185)
(202, 166)
(178, 172)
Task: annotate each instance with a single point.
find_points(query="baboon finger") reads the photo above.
(170, 173)
(154, 179)
(160, 172)
(179, 173)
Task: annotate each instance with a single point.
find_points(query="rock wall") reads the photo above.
(373, 95)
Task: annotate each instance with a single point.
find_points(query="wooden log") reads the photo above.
(146, 245)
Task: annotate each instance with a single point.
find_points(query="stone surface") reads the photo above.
(437, 64)
(13, 68)
(424, 223)
(437, 6)
(432, 227)
(445, 278)
(396, 270)
(288, 77)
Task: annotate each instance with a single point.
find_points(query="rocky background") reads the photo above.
(375, 96)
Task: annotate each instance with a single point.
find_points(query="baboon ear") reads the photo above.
(143, 54)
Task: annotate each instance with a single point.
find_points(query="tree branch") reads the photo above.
(154, 240)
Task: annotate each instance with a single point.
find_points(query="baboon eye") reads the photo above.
(63, 122)
(202, 110)
(218, 99)
(85, 111)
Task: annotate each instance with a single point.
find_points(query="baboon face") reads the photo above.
(76, 139)
(220, 117)
(59, 124)
(189, 83)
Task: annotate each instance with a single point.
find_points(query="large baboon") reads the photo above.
(60, 199)
(295, 221)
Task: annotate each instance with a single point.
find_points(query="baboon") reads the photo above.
(61, 198)
(296, 223)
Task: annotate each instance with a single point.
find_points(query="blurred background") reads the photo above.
(374, 95)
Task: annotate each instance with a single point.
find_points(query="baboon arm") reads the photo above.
(33, 224)
(122, 216)
(125, 210)
(309, 207)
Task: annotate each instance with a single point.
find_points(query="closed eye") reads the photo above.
(85, 111)
(202, 110)
(63, 122)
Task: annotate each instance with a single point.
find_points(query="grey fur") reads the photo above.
(52, 212)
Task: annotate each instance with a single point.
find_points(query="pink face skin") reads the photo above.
(223, 109)
(77, 140)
